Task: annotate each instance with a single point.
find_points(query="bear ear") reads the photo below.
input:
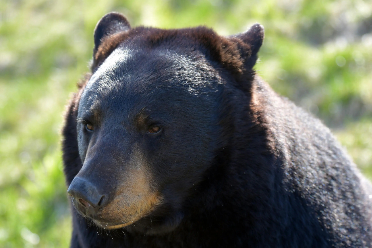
(110, 24)
(253, 37)
(250, 43)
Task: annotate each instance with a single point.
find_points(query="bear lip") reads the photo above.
(109, 226)
(100, 222)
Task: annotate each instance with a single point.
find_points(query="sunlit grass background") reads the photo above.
(316, 52)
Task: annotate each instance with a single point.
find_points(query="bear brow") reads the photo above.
(142, 117)
(92, 114)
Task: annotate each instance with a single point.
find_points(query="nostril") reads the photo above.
(84, 203)
(100, 200)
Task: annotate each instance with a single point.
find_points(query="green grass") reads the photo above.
(317, 53)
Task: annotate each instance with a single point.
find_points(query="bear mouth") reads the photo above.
(109, 226)
(161, 221)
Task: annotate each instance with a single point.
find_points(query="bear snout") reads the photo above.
(85, 197)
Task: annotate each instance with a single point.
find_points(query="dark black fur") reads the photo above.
(233, 165)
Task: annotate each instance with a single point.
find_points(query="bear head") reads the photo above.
(151, 117)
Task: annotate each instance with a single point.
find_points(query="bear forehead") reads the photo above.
(205, 40)
(131, 75)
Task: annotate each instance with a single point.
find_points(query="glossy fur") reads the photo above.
(229, 162)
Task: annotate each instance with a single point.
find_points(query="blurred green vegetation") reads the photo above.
(316, 52)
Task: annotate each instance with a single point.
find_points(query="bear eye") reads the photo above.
(89, 127)
(154, 129)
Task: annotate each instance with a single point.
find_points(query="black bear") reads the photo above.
(174, 141)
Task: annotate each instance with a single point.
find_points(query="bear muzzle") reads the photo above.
(131, 202)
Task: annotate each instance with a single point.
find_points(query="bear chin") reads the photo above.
(160, 226)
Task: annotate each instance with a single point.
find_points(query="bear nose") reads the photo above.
(85, 196)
